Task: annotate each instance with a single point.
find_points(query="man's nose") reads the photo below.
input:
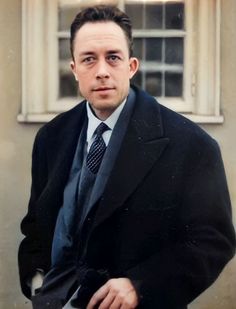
(102, 70)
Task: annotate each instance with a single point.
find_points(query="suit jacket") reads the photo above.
(163, 219)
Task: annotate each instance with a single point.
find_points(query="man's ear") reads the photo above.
(73, 69)
(133, 65)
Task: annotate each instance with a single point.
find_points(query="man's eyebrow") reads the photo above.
(114, 51)
(86, 53)
(92, 53)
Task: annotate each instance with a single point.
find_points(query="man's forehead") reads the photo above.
(105, 35)
(105, 29)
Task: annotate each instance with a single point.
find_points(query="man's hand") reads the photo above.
(36, 282)
(115, 294)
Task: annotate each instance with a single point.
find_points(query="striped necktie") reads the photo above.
(97, 149)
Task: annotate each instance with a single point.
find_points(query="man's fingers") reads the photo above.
(115, 294)
(116, 304)
(98, 296)
(107, 301)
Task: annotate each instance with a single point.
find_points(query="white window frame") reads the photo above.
(40, 66)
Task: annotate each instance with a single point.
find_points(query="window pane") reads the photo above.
(174, 16)
(138, 48)
(64, 49)
(68, 86)
(173, 84)
(135, 12)
(154, 49)
(174, 50)
(153, 16)
(66, 16)
(69, 9)
(154, 83)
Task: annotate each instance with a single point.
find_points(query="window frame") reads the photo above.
(40, 67)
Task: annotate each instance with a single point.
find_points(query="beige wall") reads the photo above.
(15, 149)
(16, 143)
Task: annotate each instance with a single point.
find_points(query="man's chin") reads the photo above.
(103, 110)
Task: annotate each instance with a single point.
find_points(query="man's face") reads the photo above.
(102, 66)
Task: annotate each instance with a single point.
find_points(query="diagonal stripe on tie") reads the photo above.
(97, 149)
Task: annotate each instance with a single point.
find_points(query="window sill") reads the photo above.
(201, 119)
(45, 117)
(35, 118)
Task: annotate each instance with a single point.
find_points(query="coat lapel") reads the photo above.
(112, 151)
(141, 148)
(62, 138)
(64, 142)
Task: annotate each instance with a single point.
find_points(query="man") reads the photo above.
(130, 213)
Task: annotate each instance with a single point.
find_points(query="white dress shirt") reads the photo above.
(93, 123)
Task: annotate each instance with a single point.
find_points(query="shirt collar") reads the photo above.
(93, 121)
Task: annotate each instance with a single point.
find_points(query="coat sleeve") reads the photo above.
(204, 240)
(31, 254)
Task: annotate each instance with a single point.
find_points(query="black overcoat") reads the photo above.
(164, 218)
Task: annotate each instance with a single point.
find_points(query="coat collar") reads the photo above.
(141, 148)
(63, 135)
(60, 137)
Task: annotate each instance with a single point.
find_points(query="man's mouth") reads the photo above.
(103, 89)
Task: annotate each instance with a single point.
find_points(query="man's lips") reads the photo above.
(101, 89)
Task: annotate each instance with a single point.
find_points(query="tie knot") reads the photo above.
(101, 128)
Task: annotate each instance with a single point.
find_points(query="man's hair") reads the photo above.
(102, 13)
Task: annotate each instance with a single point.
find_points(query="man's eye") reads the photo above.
(88, 59)
(113, 58)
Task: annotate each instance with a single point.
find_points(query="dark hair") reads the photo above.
(102, 13)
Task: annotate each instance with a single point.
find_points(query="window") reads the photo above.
(177, 42)
(159, 38)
